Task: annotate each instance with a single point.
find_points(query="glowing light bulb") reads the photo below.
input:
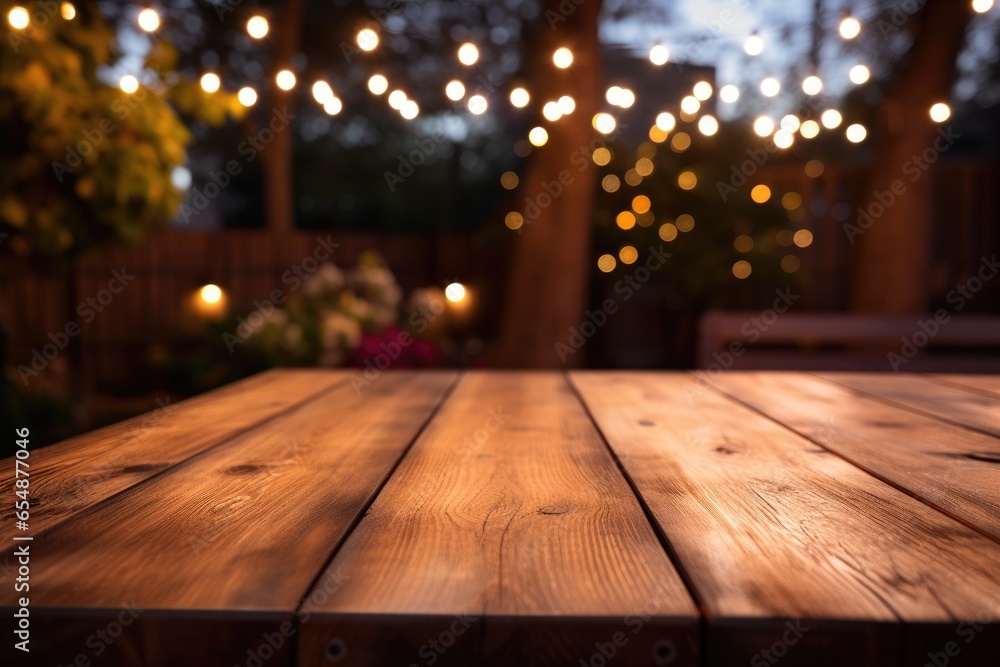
(754, 45)
(257, 27)
(666, 121)
(562, 58)
(831, 119)
(856, 133)
(397, 99)
(770, 87)
(812, 85)
(210, 82)
(210, 293)
(605, 123)
(478, 105)
(729, 94)
(322, 92)
(148, 20)
(850, 27)
(455, 292)
(659, 55)
(940, 112)
(247, 96)
(285, 79)
(129, 84)
(702, 90)
(18, 18)
(378, 84)
(763, 126)
(708, 125)
(859, 74)
(468, 54)
(455, 90)
(538, 136)
(519, 97)
(367, 39)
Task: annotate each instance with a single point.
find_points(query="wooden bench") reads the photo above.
(848, 342)
(590, 518)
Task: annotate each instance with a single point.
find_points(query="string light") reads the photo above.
(783, 138)
(397, 99)
(850, 27)
(322, 92)
(247, 96)
(659, 55)
(148, 20)
(729, 94)
(478, 104)
(468, 54)
(856, 133)
(68, 11)
(367, 39)
(455, 90)
(831, 119)
(562, 58)
(770, 87)
(410, 110)
(18, 18)
(333, 106)
(690, 105)
(538, 136)
(791, 123)
(666, 121)
(210, 293)
(982, 6)
(519, 97)
(859, 74)
(455, 292)
(809, 129)
(551, 111)
(210, 82)
(257, 27)
(812, 85)
(702, 90)
(763, 126)
(940, 112)
(567, 105)
(708, 125)
(605, 123)
(285, 79)
(754, 45)
(378, 84)
(129, 84)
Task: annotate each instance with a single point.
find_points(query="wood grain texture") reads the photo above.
(69, 476)
(988, 384)
(948, 403)
(771, 529)
(951, 468)
(235, 537)
(506, 536)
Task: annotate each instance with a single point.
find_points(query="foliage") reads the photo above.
(84, 163)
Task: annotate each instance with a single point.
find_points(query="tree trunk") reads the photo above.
(276, 158)
(547, 287)
(892, 263)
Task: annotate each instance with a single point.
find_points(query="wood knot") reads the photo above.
(554, 509)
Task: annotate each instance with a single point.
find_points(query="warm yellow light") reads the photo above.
(859, 74)
(148, 20)
(729, 93)
(551, 111)
(397, 99)
(783, 139)
(814, 168)
(378, 84)
(626, 98)
(790, 122)
(809, 129)
(668, 231)
(247, 96)
(129, 84)
(210, 294)
(641, 204)
(633, 177)
(763, 126)
(68, 11)
(643, 167)
(468, 54)
(690, 104)
(803, 238)
(605, 123)
(455, 90)
(790, 263)
(333, 106)
(850, 27)
(812, 85)
(514, 220)
(702, 90)
(770, 87)
(742, 269)
(602, 156)
(982, 6)
(410, 110)
(606, 263)
(18, 18)
(628, 254)
(509, 180)
(791, 201)
(567, 105)
(754, 45)
(659, 55)
(681, 142)
(760, 193)
(743, 243)
(285, 79)
(685, 222)
(322, 92)
(538, 136)
(367, 39)
(210, 82)
(708, 125)
(478, 105)
(940, 112)
(562, 58)
(856, 133)
(625, 220)
(831, 119)
(455, 292)
(611, 183)
(687, 180)
(257, 27)
(666, 121)
(519, 97)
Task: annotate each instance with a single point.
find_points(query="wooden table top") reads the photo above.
(524, 518)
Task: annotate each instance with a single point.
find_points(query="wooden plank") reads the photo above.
(69, 476)
(951, 468)
(952, 404)
(790, 549)
(987, 384)
(227, 543)
(507, 536)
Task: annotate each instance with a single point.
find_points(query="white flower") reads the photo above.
(328, 278)
(340, 331)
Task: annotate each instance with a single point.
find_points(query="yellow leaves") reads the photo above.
(13, 211)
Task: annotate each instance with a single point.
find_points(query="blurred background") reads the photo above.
(195, 191)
